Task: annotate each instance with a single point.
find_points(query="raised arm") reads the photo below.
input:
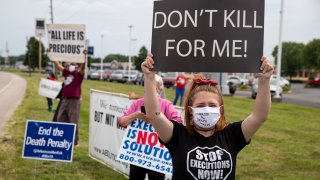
(262, 104)
(126, 120)
(161, 124)
(83, 65)
(82, 68)
(58, 65)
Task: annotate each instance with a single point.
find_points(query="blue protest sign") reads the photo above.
(90, 50)
(141, 147)
(49, 141)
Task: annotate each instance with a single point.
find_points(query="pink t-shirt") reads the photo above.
(72, 84)
(166, 107)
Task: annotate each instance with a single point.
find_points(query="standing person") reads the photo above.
(136, 110)
(69, 111)
(60, 97)
(52, 77)
(207, 147)
(180, 84)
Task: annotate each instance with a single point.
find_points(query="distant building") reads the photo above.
(111, 65)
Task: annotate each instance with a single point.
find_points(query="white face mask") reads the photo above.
(206, 117)
(72, 68)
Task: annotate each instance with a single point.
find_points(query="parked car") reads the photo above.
(140, 79)
(283, 81)
(117, 76)
(169, 79)
(273, 88)
(95, 75)
(133, 76)
(313, 82)
(107, 74)
(235, 80)
(232, 87)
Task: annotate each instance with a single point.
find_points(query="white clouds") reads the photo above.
(300, 22)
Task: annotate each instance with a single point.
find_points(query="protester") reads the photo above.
(70, 106)
(133, 95)
(60, 97)
(180, 84)
(207, 147)
(52, 77)
(136, 110)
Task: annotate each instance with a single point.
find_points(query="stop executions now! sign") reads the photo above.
(208, 35)
(209, 163)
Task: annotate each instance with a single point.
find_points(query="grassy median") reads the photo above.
(286, 147)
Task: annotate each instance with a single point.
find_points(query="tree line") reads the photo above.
(295, 57)
(298, 57)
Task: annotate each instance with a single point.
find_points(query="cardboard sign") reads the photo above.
(49, 88)
(50, 141)
(208, 35)
(66, 42)
(141, 147)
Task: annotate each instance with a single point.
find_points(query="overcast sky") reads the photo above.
(111, 18)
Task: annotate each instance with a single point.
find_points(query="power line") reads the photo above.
(77, 11)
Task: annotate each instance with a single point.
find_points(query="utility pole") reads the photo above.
(40, 55)
(7, 60)
(279, 53)
(51, 11)
(28, 55)
(101, 62)
(86, 61)
(133, 49)
(130, 39)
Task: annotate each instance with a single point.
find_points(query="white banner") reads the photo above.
(49, 88)
(141, 147)
(66, 42)
(105, 135)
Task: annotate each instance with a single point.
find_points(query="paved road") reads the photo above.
(299, 96)
(12, 89)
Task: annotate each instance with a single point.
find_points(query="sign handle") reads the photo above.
(35, 170)
(55, 171)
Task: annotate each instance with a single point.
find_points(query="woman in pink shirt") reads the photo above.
(136, 110)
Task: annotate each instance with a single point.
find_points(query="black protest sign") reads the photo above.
(66, 42)
(208, 35)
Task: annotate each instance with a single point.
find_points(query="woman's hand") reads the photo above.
(266, 68)
(147, 65)
(141, 115)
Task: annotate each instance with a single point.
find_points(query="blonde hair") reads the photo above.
(195, 88)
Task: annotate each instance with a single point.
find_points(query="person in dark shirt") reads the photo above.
(69, 110)
(207, 147)
(136, 110)
(60, 97)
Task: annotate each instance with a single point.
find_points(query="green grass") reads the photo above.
(286, 147)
